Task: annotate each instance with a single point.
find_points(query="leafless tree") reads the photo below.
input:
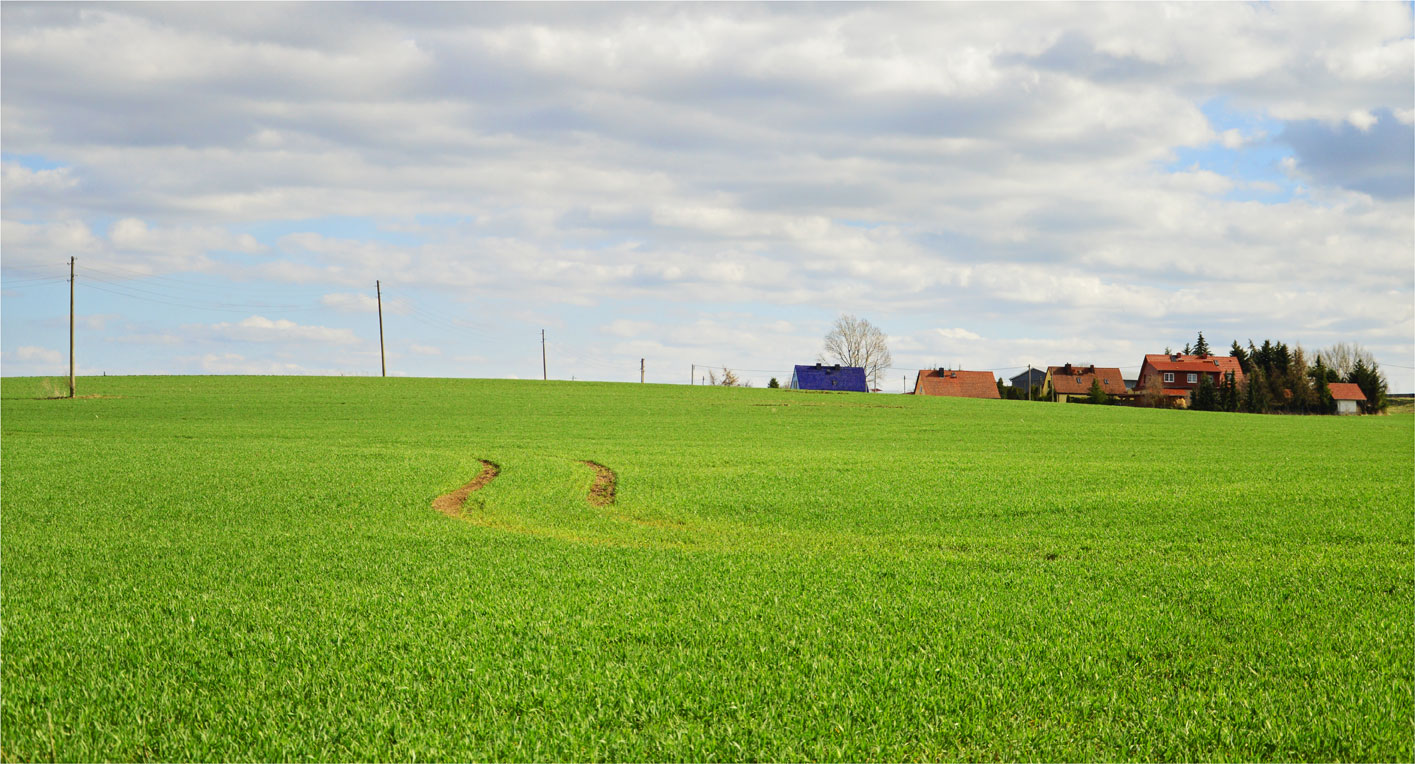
(1343, 356)
(856, 342)
(729, 378)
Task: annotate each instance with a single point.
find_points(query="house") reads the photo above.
(1348, 397)
(1178, 374)
(1027, 379)
(1063, 383)
(956, 384)
(822, 377)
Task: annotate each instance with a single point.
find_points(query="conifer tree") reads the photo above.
(1205, 397)
(1256, 399)
(1322, 389)
(1372, 383)
(1244, 362)
(1201, 347)
(1097, 393)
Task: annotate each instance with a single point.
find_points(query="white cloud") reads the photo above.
(33, 353)
(1361, 119)
(957, 334)
(262, 329)
(18, 179)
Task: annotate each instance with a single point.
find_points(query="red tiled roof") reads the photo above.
(1077, 380)
(1212, 363)
(1346, 391)
(957, 384)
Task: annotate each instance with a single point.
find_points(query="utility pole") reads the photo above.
(382, 359)
(72, 388)
(543, 375)
(1029, 382)
(641, 371)
(693, 377)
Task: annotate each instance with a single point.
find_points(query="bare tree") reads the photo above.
(856, 342)
(729, 378)
(1342, 357)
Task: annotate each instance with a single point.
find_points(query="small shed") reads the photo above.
(1348, 397)
(835, 377)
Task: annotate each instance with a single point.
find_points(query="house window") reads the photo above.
(1193, 378)
(1169, 376)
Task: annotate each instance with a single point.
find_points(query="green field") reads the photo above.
(250, 568)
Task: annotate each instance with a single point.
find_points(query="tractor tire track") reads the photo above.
(452, 504)
(602, 492)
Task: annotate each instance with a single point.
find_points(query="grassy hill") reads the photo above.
(235, 568)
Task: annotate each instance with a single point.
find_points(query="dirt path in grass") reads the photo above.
(450, 504)
(602, 492)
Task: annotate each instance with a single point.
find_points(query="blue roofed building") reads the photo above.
(836, 377)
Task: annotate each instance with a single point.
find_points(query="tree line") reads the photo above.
(1279, 378)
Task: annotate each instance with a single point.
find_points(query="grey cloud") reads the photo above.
(1379, 161)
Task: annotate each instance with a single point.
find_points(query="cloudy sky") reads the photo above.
(993, 185)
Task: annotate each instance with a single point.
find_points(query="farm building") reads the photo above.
(956, 384)
(822, 377)
(1064, 383)
(1028, 378)
(1348, 397)
(1179, 374)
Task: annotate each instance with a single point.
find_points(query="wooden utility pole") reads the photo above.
(382, 359)
(641, 371)
(543, 375)
(1029, 381)
(72, 388)
(693, 377)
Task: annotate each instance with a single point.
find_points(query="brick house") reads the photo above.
(1179, 375)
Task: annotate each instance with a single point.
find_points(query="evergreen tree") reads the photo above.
(1282, 358)
(1369, 378)
(1322, 389)
(1304, 398)
(1097, 393)
(1263, 356)
(773, 384)
(1001, 389)
(1201, 347)
(1187, 351)
(1228, 397)
(1256, 399)
(1205, 397)
(1244, 362)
